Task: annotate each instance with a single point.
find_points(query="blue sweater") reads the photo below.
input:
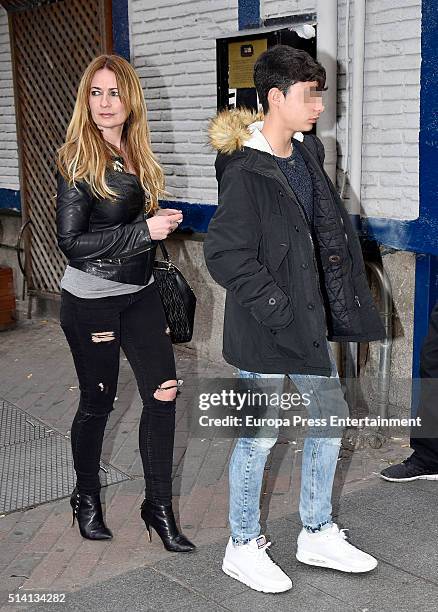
(295, 170)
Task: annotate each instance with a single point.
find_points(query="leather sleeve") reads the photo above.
(73, 210)
(231, 248)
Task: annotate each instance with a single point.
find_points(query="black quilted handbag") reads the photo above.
(177, 296)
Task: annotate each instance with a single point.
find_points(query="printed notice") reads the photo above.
(242, 57)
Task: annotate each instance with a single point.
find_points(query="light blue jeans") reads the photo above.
(320, 455)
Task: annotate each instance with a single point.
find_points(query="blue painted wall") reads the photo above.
(196, 217)
(10, 200)
(249, 14)
(424, 232)
(121, 28)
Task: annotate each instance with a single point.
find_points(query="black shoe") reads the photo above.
(161, 518)
(408, 470)
(88, 510)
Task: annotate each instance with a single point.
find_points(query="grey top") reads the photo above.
(84, 285)
(297, 174)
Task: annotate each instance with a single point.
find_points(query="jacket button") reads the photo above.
(316, 344)
(297, 229)
(304, 266)
(334, 259)
(310, 306)
(272, 301)
(280, 193)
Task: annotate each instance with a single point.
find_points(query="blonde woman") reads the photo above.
(108, 221)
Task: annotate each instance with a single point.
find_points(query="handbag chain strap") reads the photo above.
(164, 251)
(168, 264)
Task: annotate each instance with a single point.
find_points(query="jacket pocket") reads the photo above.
(287, 341)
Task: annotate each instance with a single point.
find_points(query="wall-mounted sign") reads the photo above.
(242, 56)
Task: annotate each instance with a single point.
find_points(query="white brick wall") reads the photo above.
(391, 106)
(8, 135)
(284, 8)
(174, 51)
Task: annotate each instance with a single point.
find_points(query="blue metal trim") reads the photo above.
(196, 216)
(249, 14)
(417, 236)
(121, 28)
(10, 200)
(424, 231)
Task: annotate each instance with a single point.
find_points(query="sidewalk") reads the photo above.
(41, 553)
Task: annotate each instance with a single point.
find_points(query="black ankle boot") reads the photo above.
(161, 518)
(88, 510)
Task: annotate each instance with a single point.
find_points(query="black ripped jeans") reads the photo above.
(95, 330)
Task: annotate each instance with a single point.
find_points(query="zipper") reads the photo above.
(119, 260)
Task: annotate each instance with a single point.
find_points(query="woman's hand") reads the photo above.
(165, 221)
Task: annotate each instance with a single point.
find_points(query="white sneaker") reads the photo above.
(329, 548)
(251, 564)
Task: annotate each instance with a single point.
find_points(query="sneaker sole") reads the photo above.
(231, 571)
(424, 477)
(320, 561)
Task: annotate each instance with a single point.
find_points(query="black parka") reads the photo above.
(286, 290)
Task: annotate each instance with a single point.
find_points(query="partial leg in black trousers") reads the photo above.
(148, 348)
(92, 329)
(425, 448)
(423, 463)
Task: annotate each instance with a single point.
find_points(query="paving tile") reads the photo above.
(148, 590)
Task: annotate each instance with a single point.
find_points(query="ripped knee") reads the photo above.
(103, 337)
(168, 390)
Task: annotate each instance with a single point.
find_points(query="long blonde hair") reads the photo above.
(85, 155)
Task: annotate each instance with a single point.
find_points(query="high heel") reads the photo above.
(162, 519)
(88, 510)
(148, 527)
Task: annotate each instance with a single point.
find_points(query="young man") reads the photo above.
(283, 247)
(423, 463)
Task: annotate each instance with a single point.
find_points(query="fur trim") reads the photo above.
(228, 131)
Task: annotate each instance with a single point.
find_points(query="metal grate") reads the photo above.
(18, 426)
(52, 45)
(36, 463)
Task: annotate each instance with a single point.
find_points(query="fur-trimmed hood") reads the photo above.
(231, 130)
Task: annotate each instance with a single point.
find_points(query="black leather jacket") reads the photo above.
(107, 238)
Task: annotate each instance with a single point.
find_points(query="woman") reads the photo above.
(107, 223)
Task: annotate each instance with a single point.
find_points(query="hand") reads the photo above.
(168, 211)
(165, 221)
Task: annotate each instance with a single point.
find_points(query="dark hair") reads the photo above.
(282, 66)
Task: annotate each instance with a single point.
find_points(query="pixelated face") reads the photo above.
(302, 105)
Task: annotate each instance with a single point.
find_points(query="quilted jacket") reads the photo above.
(286, 289)
(106, 238)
